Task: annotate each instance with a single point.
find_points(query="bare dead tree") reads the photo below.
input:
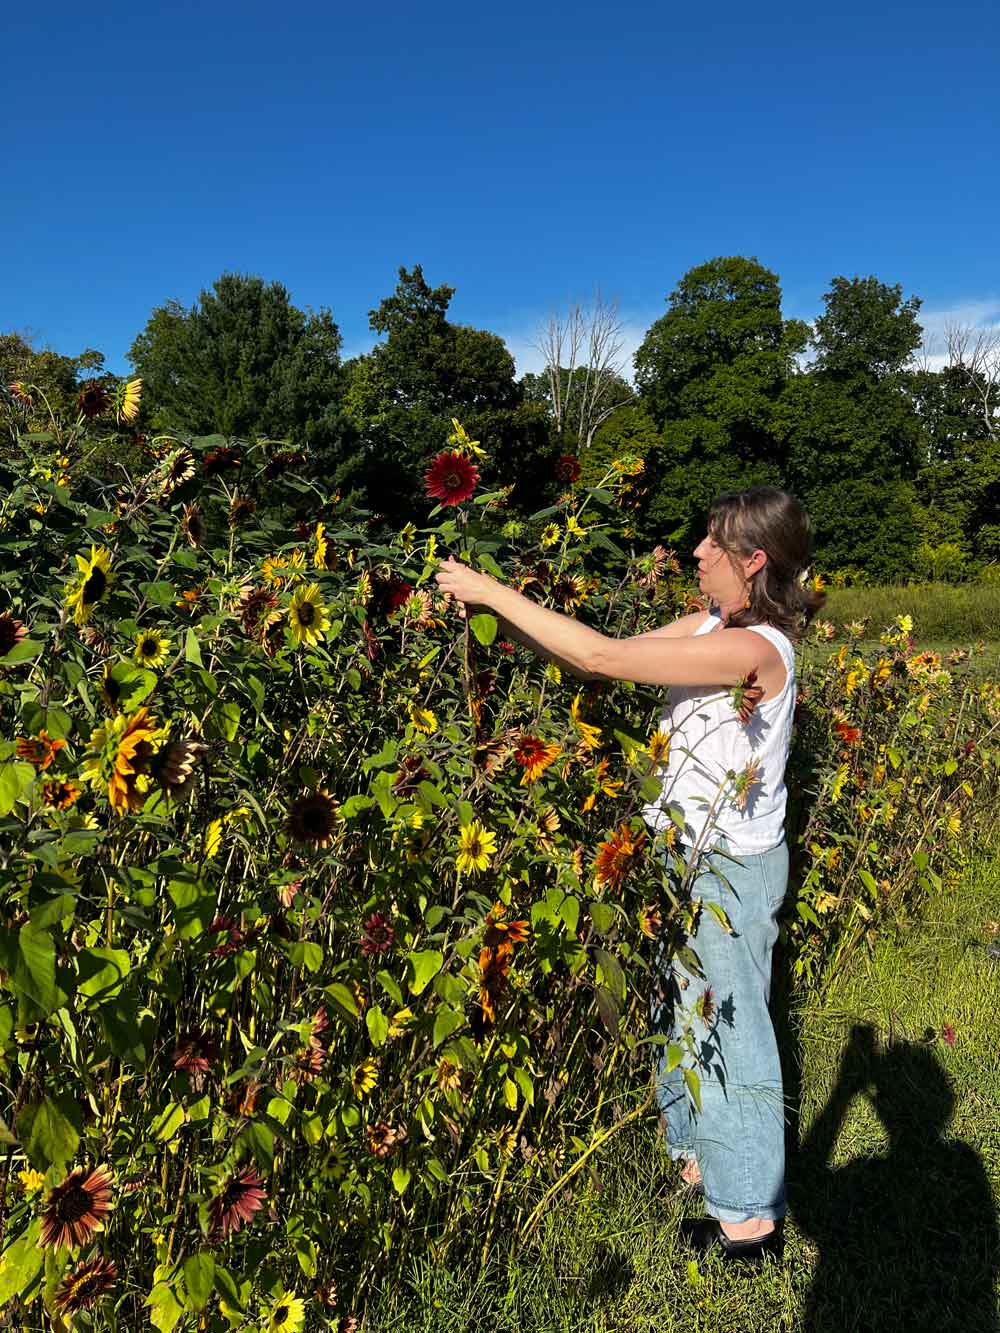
(584, 366)
(975, 354)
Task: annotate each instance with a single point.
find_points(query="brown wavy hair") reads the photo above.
(766, 519)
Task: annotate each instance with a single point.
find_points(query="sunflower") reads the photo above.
(308, 618)
(658, 747)
(118, 759)
(475, 847)
(90, 585)
(423, 720)
(447, 1075)
(151, 647)
(534, 756)
(60, 794)
(378, 937)
(550, 534)
(240, 510)
(11, 633)
(568, 468)
(288, 1314)
(177, 467)
(590, 736)
(460, 440)
(384, 1140)
(744, 783)
(30, 1181)
(242, 1196)
(334, 1165)
(651, 921)
(92, 399)
(76, 1209)
(217, 460)
(364, 1077)
(86, 1285)
(127, 398)
(307, 1063)
(39, 750)
(194, 1055)
(617, 856)
(498, 928)
(193, 524)
(600, 782)
(322, 544)
(313, 818)
(494, 969)
(451, 478)
(745, 695)
(175, 764)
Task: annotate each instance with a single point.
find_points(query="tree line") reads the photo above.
(898, 463)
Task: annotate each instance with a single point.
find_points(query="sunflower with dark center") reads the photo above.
(11, 633)
(196, 1052)
(534, 755)
(308, 618)
(86, 1285)
(568, 468)
(233, 936)
(242, 1196)
(92, 399)
(498, 928)
(174, 765)
(39, 750)
(92, 582)
(61, 795)
(240, 510)
(151, 647)
(451, 478)
(258, 611)
(282, 461)
(217, 460)
(179, 469)
(494, 969)
(307, 1063)
(383, 1139)
(617, 856)
(389, 594)
(193, 525)
(313, 818)
(76, 1209)
(378, 937)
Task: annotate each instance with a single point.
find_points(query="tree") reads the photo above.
(244, 361)
(58, 377)
(710, 373)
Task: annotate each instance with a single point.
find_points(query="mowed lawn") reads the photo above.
(894, 1187)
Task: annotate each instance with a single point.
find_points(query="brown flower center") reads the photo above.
(94, 588)
(307, 613)
(74, 1204)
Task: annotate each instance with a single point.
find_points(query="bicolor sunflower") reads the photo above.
(308, 618)
(242, 1196)
(451, 478)
(75, 1209)
(494, 969)
(39, 750)
(151, 648)
(118, 759)
(313, 818)
(59, 794)
(618, 854)
(11, 633)
(91, 583)
(534, 755)
(475, 847)
(85, 1285)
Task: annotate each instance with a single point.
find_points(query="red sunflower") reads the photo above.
(76, 1209)
(242, 1196)
(451, 478)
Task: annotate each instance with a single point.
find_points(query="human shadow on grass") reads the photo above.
(908, 1238)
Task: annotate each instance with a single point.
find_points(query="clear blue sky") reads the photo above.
(523, 153)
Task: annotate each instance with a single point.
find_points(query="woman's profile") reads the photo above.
(751, 564)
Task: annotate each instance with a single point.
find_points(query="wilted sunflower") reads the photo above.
(590, 736)
(447, 1075)
(534, 756)
(193, 524)
(451, 478)
(240, 509)
(217, 460)
(90, 585)
(617, 856)
(86, 1285)
(151, 647)
(127, 397)
(76, 1209)
(11, 633)
(475, 847)
(118, 759)
(242, 1196)
(174, 765)
(92, 400)
(313, 818)
(494, 969)
(39, 750)
(744, 783)
(308, 618)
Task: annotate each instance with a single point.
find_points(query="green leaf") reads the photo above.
(377, 1024)
(22, 1266)
(25, 651)
(484, 627)
(35, 970)
(868, 880)
(446, 1021)
(305, 1252)
(610, 974)
(694, 1088)
(306, 954)
(400, 1179)
(603, 917)
(168, 1122)
(390, 985)
(164, 1307)
(523, 1080)
(101, 972)
(15, 780)
(199, 1278)
(161, 593)
(224, 721)
(50, 1130)
(426, 964)
(510, 1093)
(192, 651)
(344, 997)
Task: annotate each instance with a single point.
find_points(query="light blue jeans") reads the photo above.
(738, 1137)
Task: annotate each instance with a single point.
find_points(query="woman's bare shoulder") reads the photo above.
(681, 628)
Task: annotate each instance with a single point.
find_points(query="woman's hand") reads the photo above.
(464, 584)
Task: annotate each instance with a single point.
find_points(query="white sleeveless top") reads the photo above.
(707, 739)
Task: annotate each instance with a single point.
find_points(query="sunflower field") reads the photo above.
(329, 917)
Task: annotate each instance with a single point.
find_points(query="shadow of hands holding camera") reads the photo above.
(907, 1238)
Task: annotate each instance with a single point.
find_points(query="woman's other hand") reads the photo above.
(464, 584)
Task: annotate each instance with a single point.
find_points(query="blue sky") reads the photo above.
(526, 154)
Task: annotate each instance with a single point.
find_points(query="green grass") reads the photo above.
(957, 612)
(885, 1232)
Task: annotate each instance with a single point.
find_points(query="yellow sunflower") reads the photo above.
(91, 583)
(550, 534)
(423, 720)
(288, 1314)
(151, 647)
(590, 736)
(364, 1077)
(319, 556)
(127, 397)
(308, 618)
(118, 759)
(475, 847)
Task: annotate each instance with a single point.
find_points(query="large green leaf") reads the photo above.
(484, 627)
(426, 964)
(102, 972)
(50, 1130)
(21, 1268)
(15, 781)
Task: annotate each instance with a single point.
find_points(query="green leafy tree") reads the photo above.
(710, 373)
(244, 361)
(58, 377)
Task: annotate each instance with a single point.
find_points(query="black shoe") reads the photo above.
(704, 1234)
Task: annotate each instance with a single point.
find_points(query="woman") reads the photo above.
(749, 567)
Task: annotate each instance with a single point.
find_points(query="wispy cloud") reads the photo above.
(522, 343)
(979, 316)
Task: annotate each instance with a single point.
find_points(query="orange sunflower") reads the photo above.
(534, 756)
(617, 856)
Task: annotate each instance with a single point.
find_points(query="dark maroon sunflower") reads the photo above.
(233, 933)
(282, 461)
(313, 818)
(76, 1209)
(195, 1054)
(86, 1285)
(568, 468)
(258, 610)
(372, 645)
(92, 399)
(320, 1023)
(705, 1006)
(389, 593)
(240, 510)
(218, 460)
(451, 478)
(193, 525)
(11, 633)
(378, 937)
(746, 695)
(242, 1196)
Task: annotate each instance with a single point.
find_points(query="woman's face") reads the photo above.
(717, 578)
